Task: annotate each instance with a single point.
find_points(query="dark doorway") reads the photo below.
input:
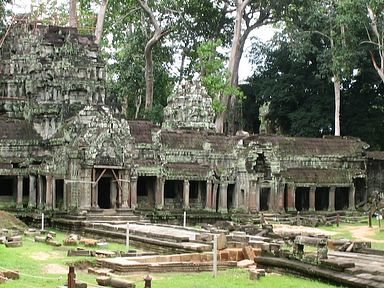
(173, 193)
(104, 193)
(197, 194)
(321, 198)
(146, 191)
(302, 198)
(341, 198)
(59, 190)
(7, 185)
(265, 194)
(25, 191)
(360, 190)
(230, 196)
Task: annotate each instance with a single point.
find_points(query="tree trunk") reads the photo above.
(232, 67)
(148, 76)
(73, 14)
(337, 88)
(156, 37)
(100, 21)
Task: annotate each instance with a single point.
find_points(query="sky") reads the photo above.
(245, 69)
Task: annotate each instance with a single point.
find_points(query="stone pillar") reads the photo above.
(49, 193)
(223, 205)
(312, 198)
(208, 199)
(40, 187)
(214, 195)
(19, 193)
(32, 191)
(252, 196)
(65, 196)
(257, 196)
(199, 194)
(186, 194)
(331, 201)
(125, 186)
(119, 191)
(159, 194)
(113, 193)
(94, 192)
(54, 193)
(280, 196)
(133, 191)
(351, 197)
(291, 206)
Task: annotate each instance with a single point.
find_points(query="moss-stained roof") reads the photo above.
(375, 155)
(16, 129)
(195, 140)
(142, 130)
(319, 176)
(187, 169)
(299, 146)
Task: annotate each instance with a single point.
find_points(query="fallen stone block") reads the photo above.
(103, 280)
(14, 238)
(3, 239)
(3, 279)
(40, 239)
(89, 242)
(245, 263)
(72, 253)
(121, 283)
(221, 241)
(53, 243)
(104, 253)
(80, 284)
(70, 242)
(13, 244)
(99, 271)
(248, 253)
(255, 274)
(102, 244)
(14, 275)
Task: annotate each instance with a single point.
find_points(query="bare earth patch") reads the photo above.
(41, 256)
(55, 269)
(285, 230)
(365, 233)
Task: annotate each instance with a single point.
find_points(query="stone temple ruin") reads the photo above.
(63, 148)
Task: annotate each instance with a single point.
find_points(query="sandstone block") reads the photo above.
(245, 263)
(248, 253)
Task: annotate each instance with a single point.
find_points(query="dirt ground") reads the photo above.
(365, 233)
(285, 230)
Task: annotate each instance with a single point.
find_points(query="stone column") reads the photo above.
(331, 201)
(223, 205)
(186, 194)
(94, 192)
(54, 193)
(32, 191)
(257, 196)
(199, 194)
(351, 194)
(125, 186)
(49, 189)
(65, 196)
(159, 194)
(215, 195)
(40, 187)
(280, 196)
(252, 196)
(133, 191)
(208, 199)
(291, 206)
(19, 193)
(312, 198)
(113, 192)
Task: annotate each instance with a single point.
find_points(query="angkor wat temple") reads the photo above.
(63, 148)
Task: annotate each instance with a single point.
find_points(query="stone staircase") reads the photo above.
(112, 216)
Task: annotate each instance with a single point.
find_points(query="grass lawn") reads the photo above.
(44, 266)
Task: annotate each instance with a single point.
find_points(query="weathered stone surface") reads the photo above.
(245, 263)
(13, 244)
(248, 253)
(72, 253)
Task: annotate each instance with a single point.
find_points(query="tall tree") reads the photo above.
(73, 13)
(100, 21)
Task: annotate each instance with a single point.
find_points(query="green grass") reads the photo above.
(33, 271)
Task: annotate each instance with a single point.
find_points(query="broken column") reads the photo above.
(312, 198)
(159, 195)
(186, 187)
(19, 195)
(331, 203)
(223, 205)
(32, 191)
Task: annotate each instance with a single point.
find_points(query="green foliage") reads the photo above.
(126, 80)
(3, 13)
(214, 75)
